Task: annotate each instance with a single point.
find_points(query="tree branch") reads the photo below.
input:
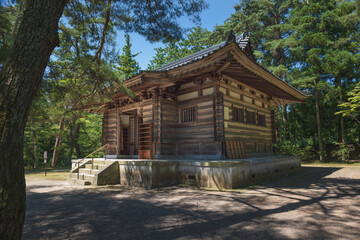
(107, 19)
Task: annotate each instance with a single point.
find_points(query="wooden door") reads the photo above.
(133, 135)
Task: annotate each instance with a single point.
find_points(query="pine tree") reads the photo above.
(196, 40)
(324, 49)
(128, 66)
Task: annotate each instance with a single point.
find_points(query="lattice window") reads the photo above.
(250, 117)
(188, 114)
(261, 120)
(238, 114)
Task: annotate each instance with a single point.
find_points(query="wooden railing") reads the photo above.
(91, 154)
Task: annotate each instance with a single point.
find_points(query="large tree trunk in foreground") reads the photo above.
(20, 79)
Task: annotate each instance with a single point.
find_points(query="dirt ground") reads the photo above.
(313, 203)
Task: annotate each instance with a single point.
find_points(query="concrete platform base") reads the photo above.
(225, 174)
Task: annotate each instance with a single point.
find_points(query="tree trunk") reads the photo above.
(74, 137)
(36, 160)
(277, 126)
(71, 150)
(78, 151)
(341, 122)
(57, 145)
(35, 147)
(34, 144)
(318, 123)
(286, 123)
(20, 79)
(292, 130)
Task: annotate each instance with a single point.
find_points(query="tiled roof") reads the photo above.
(242, 40)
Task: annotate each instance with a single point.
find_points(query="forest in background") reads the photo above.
(313, 45)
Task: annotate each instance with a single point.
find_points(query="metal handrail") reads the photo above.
(78, 163)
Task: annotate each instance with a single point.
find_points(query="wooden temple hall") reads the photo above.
(214, 104)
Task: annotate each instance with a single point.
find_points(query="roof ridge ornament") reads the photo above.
(231, 37)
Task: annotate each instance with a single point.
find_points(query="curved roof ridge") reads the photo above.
(242, 40)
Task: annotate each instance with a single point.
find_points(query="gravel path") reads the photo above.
(314, 203)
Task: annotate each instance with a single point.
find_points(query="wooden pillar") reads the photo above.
(156, 101)
(104, 126)
(118, 132)
(218, 109)
(273, 129)
(136, 133)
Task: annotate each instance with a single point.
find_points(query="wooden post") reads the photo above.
(118, 132)
(156, 101)
(104, 127)
(273, 127)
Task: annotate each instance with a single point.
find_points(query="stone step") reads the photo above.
(88, 171)
(78, 181)
(73, 175)
(87, 177)
(82, 176)
(95, 166)
(99, 162)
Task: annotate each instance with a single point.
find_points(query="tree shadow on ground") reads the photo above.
(307, 205)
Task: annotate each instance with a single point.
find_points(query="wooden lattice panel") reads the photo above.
(235, 149)
(145, 141)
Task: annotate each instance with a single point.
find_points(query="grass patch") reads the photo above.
(330, 164)
(57, 174)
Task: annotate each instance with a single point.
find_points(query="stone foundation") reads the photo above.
(225, 174)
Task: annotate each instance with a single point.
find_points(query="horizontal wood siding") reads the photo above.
(197, 137)
(169, 122)
(257, 139)
(190, 138)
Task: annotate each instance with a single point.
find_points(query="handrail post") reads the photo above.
(92, 158)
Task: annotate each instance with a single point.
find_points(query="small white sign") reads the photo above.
(45, 161)
(45, 154)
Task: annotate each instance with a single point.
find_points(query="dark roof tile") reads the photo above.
(242, 40)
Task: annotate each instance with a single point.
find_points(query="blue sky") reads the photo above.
(216, 14)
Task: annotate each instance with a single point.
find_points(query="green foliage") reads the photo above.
(128, 66)
(157, 20)
(82, 71)
(342, 151)
(267, 23)
(314, 45)
(306, 153)
(9, 21)
(351, 108)
(196, 40)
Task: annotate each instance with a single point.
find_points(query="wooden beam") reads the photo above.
(253, 67)
(223, 67)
